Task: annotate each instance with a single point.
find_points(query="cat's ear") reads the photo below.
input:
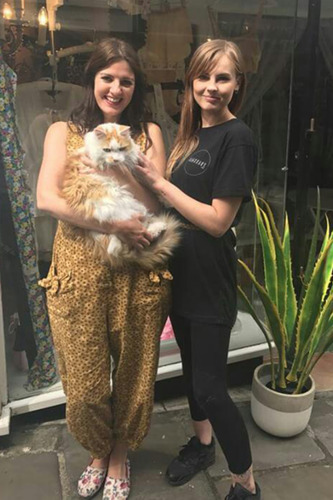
(100, 132)
(125, 131)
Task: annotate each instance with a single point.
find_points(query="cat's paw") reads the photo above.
(115, 246)
(156, 228)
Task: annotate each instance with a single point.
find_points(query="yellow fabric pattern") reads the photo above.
(97, 312)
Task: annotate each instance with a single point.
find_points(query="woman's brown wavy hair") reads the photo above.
(88, 115)
(203, 61)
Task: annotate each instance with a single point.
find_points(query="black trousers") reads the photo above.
(204, 352)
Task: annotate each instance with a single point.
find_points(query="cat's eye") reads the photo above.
(122, 148)
(107, 150)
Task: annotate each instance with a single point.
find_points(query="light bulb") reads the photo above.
(42, 17)
(7, 11)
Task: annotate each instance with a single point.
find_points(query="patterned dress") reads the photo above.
(97, 312)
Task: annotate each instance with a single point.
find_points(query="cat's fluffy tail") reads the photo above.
(161, 248)
(152, 257)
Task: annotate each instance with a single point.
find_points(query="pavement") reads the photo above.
(39, 460)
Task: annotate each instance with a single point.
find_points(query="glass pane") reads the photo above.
(311, 152)
(49, 68)
(267, 34)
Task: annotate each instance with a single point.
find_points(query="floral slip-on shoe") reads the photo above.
(91, 481)
(117, 489)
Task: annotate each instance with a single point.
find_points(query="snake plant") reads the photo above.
(300, 327)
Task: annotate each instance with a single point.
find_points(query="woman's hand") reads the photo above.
(87, 166)
(132, 232)
(149, 174)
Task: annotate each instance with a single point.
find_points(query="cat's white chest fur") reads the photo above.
(111, 147)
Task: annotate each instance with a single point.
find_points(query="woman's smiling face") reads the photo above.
(113, 89)
(214, 89)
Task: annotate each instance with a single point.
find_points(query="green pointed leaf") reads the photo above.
(310, 310)
(291, 302)
(327, 233)
(250, 309)
(268, 252)
(281, 282)
(323, 324)
(328, 268)
(313, 250)
(328, 336)
(276, 327)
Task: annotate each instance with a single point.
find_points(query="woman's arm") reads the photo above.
(49, 192)
(156, 153)
(215, 219)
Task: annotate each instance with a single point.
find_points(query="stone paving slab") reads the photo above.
(30, 439)
(30, 477)
(44, 462)
(321, 423)
(304, 483)
(151, 460)
(269, 451)
(75, 458)
(148, 464)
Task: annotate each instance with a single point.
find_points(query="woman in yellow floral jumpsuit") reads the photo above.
(97, 311)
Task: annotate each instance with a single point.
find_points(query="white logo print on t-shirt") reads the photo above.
(197, 163)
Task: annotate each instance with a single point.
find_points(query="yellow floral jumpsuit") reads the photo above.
(97, 312)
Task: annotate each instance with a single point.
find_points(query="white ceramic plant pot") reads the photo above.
(282, 415)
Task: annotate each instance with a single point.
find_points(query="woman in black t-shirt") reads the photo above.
(211, 168)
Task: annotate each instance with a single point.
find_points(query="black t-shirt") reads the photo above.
(204, 267)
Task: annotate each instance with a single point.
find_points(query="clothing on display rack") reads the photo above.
(37, 108)
(251, 51)
(43, 371)
(168, 39)
(167, 333)
(247, 40)
(17, 319)
(34, 98)
(168, 125)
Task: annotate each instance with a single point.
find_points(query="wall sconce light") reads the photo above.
(13, 19)
(13, 22)
(42, 26)
(7, 11)
(42, 17)
(13, 13)
(11, 25)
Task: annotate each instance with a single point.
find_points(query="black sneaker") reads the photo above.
(193, 458)
(238, 492)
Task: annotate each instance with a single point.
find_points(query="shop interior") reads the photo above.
(44, 46)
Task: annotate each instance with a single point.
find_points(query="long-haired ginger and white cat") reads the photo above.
(99, 196)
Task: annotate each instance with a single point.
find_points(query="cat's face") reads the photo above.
(116, 147)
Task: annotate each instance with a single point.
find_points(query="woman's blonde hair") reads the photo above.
(204, 60)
